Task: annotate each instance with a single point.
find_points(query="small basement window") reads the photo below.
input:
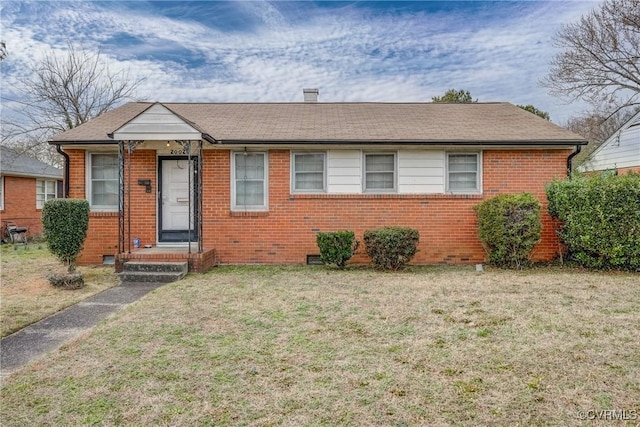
(108, 259)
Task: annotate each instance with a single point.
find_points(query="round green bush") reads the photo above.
(509, 227)
(391, 248)
(337, 247)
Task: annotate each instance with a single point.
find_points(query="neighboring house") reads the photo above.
(266, 177)
(25, 184)
(620, 152)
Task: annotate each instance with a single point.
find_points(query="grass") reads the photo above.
(267, 346)
(25, 293)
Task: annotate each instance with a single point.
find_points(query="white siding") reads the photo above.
(344, 171)
(621, 150)
(418, 171)
(421, 171)
(157, 123)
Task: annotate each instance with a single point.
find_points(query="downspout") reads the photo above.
(570, 158)
(66, 170)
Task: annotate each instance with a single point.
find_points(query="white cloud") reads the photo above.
(350, 53)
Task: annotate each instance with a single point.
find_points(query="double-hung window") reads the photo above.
(308, 172)
(1, 192)
(249, 181)
(379, 172)
(103, 181)
(463, 172)
(45, 190)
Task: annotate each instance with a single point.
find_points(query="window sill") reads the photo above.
(250, 214)
(103, 213)
(387, 196)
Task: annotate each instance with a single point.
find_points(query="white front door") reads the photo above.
(176, 217)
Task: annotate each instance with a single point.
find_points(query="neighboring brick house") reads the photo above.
(620, 152)
(266, 177)
(25, 184)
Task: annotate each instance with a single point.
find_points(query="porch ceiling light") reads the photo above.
(168, 144)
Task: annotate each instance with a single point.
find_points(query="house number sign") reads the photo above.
(179, 151)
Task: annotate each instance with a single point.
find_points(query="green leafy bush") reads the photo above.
(509, 227)
(599, 219)
(337, 247)
(65, 223)
(391, 248)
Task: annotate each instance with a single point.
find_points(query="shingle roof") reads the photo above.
(344, 122)
(13, 163)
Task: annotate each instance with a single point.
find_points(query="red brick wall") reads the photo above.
(286, 234)
(20, 203)
(635, 169)
(102, 237)
(447, 224)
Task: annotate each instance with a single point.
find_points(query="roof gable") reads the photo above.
(156, 123)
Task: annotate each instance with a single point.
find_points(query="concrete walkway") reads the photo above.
(34, 341)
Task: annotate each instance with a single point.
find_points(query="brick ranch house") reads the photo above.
(254, 182)
(25, 184)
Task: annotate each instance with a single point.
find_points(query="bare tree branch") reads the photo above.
(62, 92)
(599, 61)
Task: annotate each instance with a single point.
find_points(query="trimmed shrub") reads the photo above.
(337, 247)
(391, 248)
(65, 223)
(599, 219)
(509, 227)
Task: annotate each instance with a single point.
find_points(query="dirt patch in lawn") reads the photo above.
(26, 295)
(309, 346)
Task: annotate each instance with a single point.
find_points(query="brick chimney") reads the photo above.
(310, 95)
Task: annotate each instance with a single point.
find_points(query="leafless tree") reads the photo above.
(62, 92)
(599, 58)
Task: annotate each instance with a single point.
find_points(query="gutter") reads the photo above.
(532, 144)
(570, 158)
(66, 171)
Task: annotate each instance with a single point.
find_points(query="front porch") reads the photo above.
(198, 262)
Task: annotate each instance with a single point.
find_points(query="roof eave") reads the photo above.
(560, 143)
(83, 142)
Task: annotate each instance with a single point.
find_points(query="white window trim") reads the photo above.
(55, 186)
(395, 173)
(251, 208)
(88, 184)
(293, 173)
(478, 189)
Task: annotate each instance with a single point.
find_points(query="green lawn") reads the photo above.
(25, 293)
(265, 346)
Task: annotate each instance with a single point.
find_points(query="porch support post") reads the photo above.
(131, 147)
(199, 195)
(186, 146)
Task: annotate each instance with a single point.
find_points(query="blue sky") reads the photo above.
(263, 51)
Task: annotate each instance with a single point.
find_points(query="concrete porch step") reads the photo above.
(156, 272)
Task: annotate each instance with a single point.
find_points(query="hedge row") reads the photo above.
(600, 219)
